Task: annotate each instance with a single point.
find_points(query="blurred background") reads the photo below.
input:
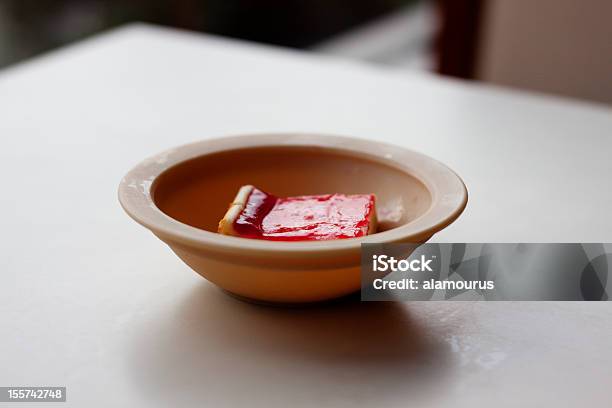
(560, 47)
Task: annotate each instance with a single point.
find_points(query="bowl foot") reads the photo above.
(351, 297)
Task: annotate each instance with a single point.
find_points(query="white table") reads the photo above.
(92, 301)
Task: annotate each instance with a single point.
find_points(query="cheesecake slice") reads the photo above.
(259, 215)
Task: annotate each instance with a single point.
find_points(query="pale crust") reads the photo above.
(226, 225)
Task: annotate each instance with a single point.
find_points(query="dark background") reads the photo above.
(559, 47)
(38, 26)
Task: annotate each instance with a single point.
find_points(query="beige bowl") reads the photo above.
(181, 194)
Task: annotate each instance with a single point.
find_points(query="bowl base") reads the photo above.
(351, 297)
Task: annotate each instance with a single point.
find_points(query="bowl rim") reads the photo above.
(448, 194)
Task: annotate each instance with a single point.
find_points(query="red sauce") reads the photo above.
(258, 205)
(319, 217)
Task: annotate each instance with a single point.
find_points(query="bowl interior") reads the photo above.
(197, 192)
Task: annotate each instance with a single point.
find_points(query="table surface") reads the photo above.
(92, 301)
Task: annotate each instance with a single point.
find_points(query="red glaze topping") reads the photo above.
(320, 217)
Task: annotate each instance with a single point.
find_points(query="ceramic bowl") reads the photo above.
(181, 194)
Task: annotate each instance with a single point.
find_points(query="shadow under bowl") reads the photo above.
(181, 195)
